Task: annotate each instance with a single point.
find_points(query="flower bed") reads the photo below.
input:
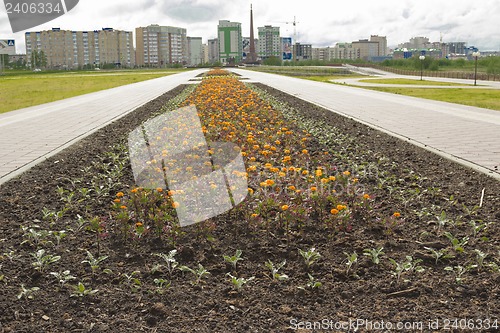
(341, 223)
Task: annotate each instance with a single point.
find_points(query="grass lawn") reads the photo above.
(413, 82)
(483, 98)
(19, 91)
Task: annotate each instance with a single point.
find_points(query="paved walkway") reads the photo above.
(28, 136)
(468, 135)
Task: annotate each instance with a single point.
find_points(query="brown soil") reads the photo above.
(409, 180)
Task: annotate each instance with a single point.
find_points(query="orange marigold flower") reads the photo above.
(139, 224)
(159, 189)
(284, 207)
(304, 151)
(305, 172)
(175, 204)
(332, 178)
(134, 190)
(287, 151)
(123, 207)
(334, 211)
(319, 173)
(341, 207)
(396, 214)
(314, 189)
(325, 180)
(366, 196)
(255, 215)
(346, 173)
(120, 194)
(270, 182)
(250, 190)
(117, 200)
(291, 188)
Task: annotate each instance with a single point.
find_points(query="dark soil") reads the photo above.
(409, 180)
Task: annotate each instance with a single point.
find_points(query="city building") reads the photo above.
(159, 46)
(230, 42)
(269, 42)
(382, 44)
(302, 51)
(213, 51)
(66, 49)
(366, 49)
(195, 51)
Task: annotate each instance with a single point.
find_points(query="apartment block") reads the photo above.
(66, 49)
(195, 51)
(159, 46)
(213, 50)
(302, 51)
(230, 42)
(269, 42)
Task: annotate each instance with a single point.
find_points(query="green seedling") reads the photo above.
(310, 257)
(274, 270)
(312, 284)
(374, 254)
(480, 256)
(409, 265)
(59, 235)
(170, 262)
(238, 283)
(35, 237)
(42, 260)
(63, 277)
(82, 291)
(458, 245)
(439, 254)
(27, 293)
(442, 220)
(131, 281)
(161, 285)
(94, 262)
(199, 273)
(459, 272)
(233, 260)
(352, 259)
(477, 227)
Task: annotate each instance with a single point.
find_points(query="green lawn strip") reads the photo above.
(18, 92)
(413, 82)
(483, 98)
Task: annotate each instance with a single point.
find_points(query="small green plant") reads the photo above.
(238, 283)
(59, 235)
(439, 254)
(161, 285)
(233, 260)
(199, 273)
(274, 269)
(408, 265)
(441, 221)
(42, 260)
(133, 282)
(459, 272)
(82, 291)
(374, 254)
(63, 277)
(458, 245)
(351, 260)
(170, 262)
(311, 284)
(480, 256)
(477, 227)
(94, 262)
(310, 257)
(35, 237)
(27, 293)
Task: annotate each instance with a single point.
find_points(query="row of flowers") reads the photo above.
(292, 182)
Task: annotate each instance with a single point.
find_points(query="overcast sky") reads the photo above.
(318, 22)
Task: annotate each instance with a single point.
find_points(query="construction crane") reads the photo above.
(294, 23)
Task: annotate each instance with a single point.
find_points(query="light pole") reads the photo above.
(422, 58)
(475, 54)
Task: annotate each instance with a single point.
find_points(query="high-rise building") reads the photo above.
(213, 50)
(230, 42)
(66, 49)
(159, 46)
(195, 51)
(382, 44)
(366, 49)
(269, 42)
(302, 51)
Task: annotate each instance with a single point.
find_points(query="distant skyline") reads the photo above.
(320, 23)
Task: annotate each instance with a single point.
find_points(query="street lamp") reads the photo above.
(422, 58)
(475, 54)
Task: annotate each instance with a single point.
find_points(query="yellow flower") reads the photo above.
(270, 182)
(346, 173)
(304, 151)
(314, 189)
(334, 211)
(332, 178)
(120, 194)
(138, 224)
(366, 196)
(255, 215)
(175, 204)
(250, 190)
(319, 173)
(134, 190)
(159, 189)
(284, 207)
(291, 188)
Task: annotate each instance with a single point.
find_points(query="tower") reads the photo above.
(252, 55)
